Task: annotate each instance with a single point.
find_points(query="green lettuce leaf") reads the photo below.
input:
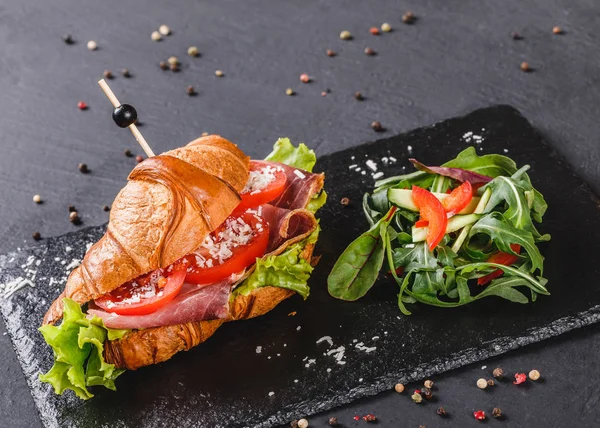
(287, 270)
(298, 157)
(317, 202)
(78, 345)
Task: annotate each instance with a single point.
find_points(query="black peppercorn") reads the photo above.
(71, 208)
(36, 236)
(497, 413)
(498, 372)
(124, 115)
(190, 91)
(376, 125)
(68, 39)
(128, 153)
(333, 421)
(441, 411)
(106, 208)
(409, 18)
(359, 96)
(369, 51)
(516, 36)
(294, 424)
(174, 67)
(426, 393)
(83, 168)
(163, 65)
(126, 72)
(107, 74)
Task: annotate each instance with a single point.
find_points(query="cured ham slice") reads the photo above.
(300, 187)
(193, 303)
(285, 224)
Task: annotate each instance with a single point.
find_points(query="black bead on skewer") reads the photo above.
(124, 115)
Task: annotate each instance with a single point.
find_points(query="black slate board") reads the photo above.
(225, 382)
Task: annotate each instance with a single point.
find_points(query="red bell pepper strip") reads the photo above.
(500, 258)
(431, 210)
(459, 198)
(421, 223)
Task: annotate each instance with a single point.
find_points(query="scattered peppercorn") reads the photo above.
(82, 106)
(155, 36)
(356, 418)
(106, 208)
(345, 202)
(479, 415)
(520, 378)
(173, 60)
(482, 383)
(386, 28)
(219, 73)
(345, 35)
(107, 74)
(128, 153)
(359, 96)
(83, 168)
(290, 92)
(193, 51)
(304, 78)
(496, 412)
(498, 372)
(369, 51)
(516, 36)
(491, 382)
(72, 208)
(302, 423)
(422, 426)
(370, 417)
(174, 67)
(324, 93)
(333, 421)
(294, 424)
(377, 127)
(409, 18)
(329, 52)
(417, 397)
(125, 72)
(525, 67)
(426, 393)
(163, 65)
(92, 45)
(374, 31)
(139, 158)
(36, 236)
(68, 39)
(428, 384)
(441, 411)
(557, 30)
(190, 91)
(164, 30)
(74, 217)
(37, 199)
(534, 375)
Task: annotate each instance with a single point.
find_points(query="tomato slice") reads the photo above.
(143, 295)
(230, 249)
(431, 210)
(266, 182)
(500, 258)
(459, 199)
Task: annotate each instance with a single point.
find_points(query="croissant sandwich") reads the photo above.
(199, 236)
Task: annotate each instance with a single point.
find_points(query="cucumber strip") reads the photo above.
(455, 223)
(403, 199)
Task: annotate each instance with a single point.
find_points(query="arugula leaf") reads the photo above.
(75, 341)
(505, 189)
(489, 165)
(298, 157)
(356, 270)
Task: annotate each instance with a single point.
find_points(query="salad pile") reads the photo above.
(450, 235)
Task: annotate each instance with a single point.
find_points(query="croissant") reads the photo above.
(169, 205)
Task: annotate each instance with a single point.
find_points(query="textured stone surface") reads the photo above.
(225, 382)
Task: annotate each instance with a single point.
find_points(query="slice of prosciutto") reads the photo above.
(193, 303)
(289, 222)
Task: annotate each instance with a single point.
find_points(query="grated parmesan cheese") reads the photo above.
(371, 165)
(258, 180)
(299, 174)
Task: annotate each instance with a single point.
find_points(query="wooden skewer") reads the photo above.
(134, 129)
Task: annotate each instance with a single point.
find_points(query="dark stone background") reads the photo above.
(458, 56)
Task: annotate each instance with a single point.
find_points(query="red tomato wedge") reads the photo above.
(431, 210)
(143, 295)
(230, 249)
(458, 199)
(265, 183)
(500, 258)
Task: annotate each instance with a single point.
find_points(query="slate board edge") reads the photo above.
(489, 349)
